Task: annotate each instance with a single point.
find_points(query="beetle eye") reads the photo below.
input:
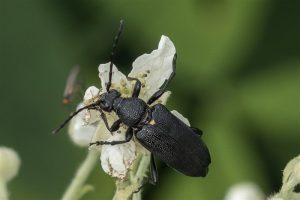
(104, 104)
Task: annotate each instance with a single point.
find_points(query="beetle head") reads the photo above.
(107, 100)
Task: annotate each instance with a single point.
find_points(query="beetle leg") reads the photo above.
(103, 117)
(197, 131)
(115, 126)
(153, 171)
(153, 174)
(163, 88)
(128, 137)
(137, 86)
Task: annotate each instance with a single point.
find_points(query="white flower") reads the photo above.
(291, 178)
(181, 117)
(79, 131)
(159, 64)
(244, 191)
(9, 163)
(152, 70)
(291, 174)
(9, 167)
(116, 159)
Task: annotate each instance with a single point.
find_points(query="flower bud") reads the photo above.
(244, 191)
(9, 163)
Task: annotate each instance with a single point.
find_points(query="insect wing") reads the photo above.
(71, 85)
(175, 143)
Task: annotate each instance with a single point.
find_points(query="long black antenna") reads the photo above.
(91, 106)
(112, 55)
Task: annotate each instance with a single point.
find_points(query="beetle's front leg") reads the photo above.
(128, 137)
(115, 126)
(163, 88)
(137, 86)
(103, 117)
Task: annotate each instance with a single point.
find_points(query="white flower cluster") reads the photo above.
(9, 167)
(244, 191)
(9, 163)
(291, 178)
(152, 70)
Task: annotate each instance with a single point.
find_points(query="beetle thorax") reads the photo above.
(130, 110)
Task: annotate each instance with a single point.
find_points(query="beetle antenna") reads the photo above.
(91, 106)
(112, 55)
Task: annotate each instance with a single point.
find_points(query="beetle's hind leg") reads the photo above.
(137, 86)
(197, 131)
(163, 88)
(128, 137)
(153, 171)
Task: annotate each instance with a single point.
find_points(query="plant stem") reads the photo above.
(77, 186)
(3, 191)
(136, 178)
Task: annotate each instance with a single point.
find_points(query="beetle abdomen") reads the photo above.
(175, 143)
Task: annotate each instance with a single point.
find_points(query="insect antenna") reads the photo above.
(112, 55)
(91, 106)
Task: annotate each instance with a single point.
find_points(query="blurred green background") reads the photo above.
(238, 79)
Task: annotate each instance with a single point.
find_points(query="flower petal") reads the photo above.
(91, 95)
(181, 117)
(154, 68)
(79, 131)
(116, 159)
(118, 82)
(291, 176)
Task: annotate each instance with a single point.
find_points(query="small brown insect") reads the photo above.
(72, 85)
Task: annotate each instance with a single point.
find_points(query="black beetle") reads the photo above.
(155, 127)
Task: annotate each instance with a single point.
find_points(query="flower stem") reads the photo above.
(136, 178)
(141, 174)
(3, 190)
(77, 188)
